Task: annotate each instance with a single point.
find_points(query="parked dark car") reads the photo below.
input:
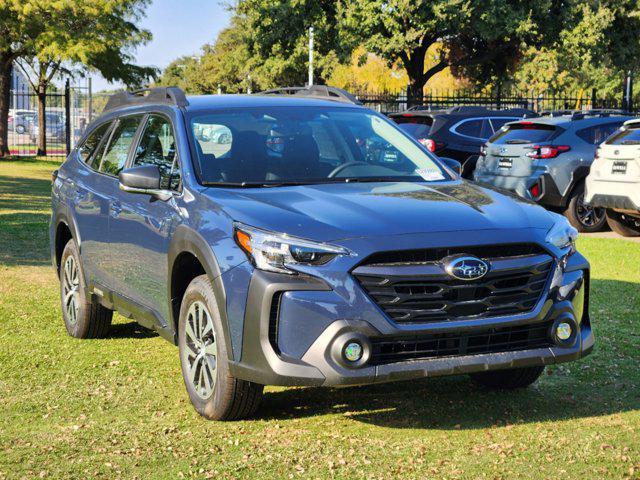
(326, 264)
(458, 132)
(547, 160)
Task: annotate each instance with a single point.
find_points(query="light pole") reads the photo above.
(310, 56)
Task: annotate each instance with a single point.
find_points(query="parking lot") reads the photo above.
(117, 408)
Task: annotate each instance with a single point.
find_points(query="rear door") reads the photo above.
(507, 150)
(89, 193)
(112, 162)
(619, 156)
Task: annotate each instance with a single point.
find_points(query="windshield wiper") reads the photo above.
(375, 179)
(254, 184)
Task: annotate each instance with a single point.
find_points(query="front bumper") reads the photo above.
(316, 323)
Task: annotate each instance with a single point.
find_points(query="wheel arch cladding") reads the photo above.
(190, 256)
(62, 236)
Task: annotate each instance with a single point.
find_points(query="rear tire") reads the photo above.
(508, 379)
(83, 318)
(213, 391)
(621, 225)
(584, 217)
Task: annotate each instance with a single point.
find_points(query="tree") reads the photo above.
(279, 39)
(478, 39)
(54, 36)
(225, 65)
(594, 50)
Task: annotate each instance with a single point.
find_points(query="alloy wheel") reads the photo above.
(71, 289)
(201, 349)
(588, 215)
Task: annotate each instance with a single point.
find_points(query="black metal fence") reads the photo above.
(389, 102)
(68, 111)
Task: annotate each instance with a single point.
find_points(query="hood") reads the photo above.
(329, 212)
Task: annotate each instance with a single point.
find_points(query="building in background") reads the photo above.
(20, 100)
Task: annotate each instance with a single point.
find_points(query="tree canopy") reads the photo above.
(46, 36)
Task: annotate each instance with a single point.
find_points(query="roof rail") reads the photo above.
(581, 114)
(315, 91)
(168, 95)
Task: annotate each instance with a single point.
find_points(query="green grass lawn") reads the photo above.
(117, 408)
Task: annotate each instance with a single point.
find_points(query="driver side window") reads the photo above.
(157, 147)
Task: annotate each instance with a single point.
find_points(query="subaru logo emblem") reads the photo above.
(502, 150)
(616, 152)
(466, 268)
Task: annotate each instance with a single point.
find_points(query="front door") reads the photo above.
(141, 225)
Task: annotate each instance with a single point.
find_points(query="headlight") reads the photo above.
(275, 252)
(562, 234)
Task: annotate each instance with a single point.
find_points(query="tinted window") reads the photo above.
(498, 122)
(471, 128)
(598, 133)
(157, 147)
(90, 145)
(416, 130)
(117, 151)
(524, 133)
(628, 136)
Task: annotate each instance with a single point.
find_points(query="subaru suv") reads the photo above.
(614, 180)
(547, 160)
(313, 263)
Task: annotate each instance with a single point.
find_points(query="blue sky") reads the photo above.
(179, 27)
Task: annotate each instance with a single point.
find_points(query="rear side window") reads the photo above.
(629, 136)
(90, 146)
(115, 156)
(598, 133)
(158, 147)
(522, 133)
(470, 128)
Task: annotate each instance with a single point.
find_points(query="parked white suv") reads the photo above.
(614, 179)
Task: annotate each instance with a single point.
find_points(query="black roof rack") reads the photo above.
(581, 114)
(323, 92)
(168, 95)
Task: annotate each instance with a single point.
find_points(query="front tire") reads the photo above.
(213, 391)
(583, 217)
(508, 379)
(82, 318)
(622, 225)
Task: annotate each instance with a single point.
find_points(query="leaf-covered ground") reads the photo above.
(117, 408)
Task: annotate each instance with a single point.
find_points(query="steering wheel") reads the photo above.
(344, 166)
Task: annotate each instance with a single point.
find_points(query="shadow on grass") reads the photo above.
(130, 330)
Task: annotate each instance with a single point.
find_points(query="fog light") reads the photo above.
(353, 351)
(564, 331)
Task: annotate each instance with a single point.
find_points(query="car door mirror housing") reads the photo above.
(143, 179)
(454, 165)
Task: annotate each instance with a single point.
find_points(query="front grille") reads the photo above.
(504, 339)
(420, 290)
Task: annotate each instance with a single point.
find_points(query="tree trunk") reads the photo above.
(5, 98)
(42, 120)
(414, 65)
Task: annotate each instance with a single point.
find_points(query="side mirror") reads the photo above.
(143, 179)
(454, 165)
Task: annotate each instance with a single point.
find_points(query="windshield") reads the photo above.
(288, 145)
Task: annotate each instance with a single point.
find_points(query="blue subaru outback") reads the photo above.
(302, 239)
